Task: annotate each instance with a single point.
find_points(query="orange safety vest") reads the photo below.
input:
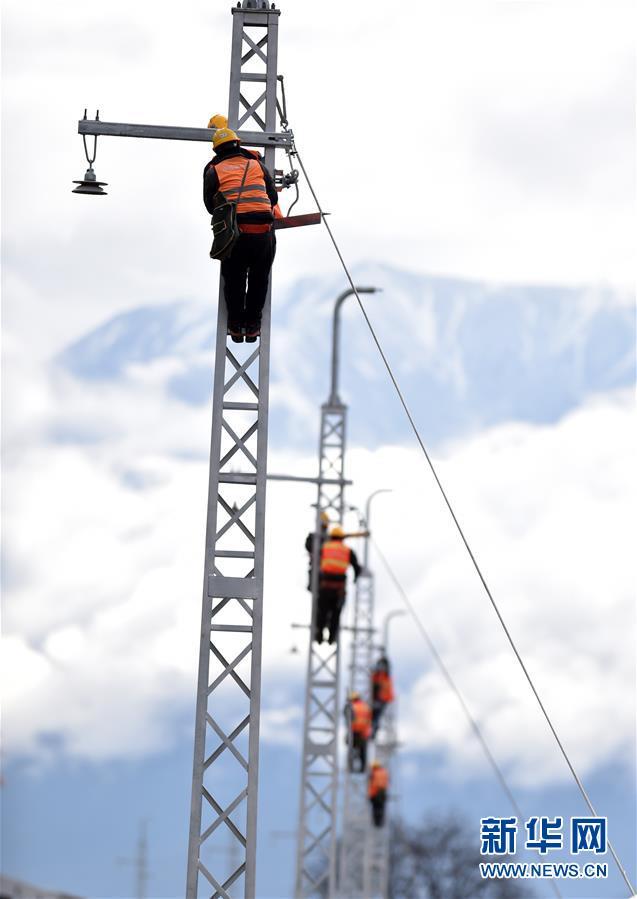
(383, 682)
(335, 557)
(253, 196)
(361, 718)
(378, 780)
(275, 209)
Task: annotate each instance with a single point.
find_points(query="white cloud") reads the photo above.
(282, 726)
(549, 513)
(104, 546)
(510, 125)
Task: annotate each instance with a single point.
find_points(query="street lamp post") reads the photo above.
(388, 617)
(316, 847)
(334, 399)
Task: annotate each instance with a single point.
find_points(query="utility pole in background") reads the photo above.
(316, 846)
(140, 862)
(376, 850)
(356, 815)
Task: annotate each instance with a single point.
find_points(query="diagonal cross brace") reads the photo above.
(227, 742)
(230, 668)
(241, 372)
(239, 444)
(229, 671)
(256, 48)
(252, 110)
(220, 891)
(228, 883)
(235, 517)
(224, 816)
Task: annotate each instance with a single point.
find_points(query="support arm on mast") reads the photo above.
(172, 132)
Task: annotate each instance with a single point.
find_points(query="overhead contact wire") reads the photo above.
(447, 676)
(451, 683)
(414, 428)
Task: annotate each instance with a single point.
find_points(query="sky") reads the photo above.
(491, 141)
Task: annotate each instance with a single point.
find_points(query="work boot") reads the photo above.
(235, 331)
(253, 330)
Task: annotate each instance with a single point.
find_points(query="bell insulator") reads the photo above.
(90, 185)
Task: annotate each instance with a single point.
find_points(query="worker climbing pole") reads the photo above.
(230, 649)
(376, 847)
(316, 846)
(229, 681)
(316, 838)
(355, 800)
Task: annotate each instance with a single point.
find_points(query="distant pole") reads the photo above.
(316, 847)
(142, 861)
(377, 839)
(356, 822)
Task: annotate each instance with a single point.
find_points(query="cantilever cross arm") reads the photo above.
(294, 478)
(173, 132)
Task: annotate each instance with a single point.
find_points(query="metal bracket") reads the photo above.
(171, 132)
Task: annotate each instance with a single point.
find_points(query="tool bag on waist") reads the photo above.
(224, 224)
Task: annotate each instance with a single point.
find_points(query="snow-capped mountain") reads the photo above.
(467, 354)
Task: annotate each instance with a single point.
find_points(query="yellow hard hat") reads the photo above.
(218, 121)
(325, 518)
(376, 764)
(354, 695)
(337, 531)
(222, 136)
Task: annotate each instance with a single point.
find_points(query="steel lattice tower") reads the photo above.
(356, 813)
(376, 851)
(316, 847)
(355, 873)
(226, 757)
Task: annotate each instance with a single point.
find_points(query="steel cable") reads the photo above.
(414, 427)
(451, 683)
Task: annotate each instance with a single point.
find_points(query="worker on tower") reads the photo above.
(218, 121)
(335, 560)
(221, 121)
(377, 785)
(358, 717)
(382, 690)
(239, 175)
(324, 521)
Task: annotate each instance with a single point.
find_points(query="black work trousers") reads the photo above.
(378, 708)
(378, 808)
(357, 753)
(331, 599)
(246, 273)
